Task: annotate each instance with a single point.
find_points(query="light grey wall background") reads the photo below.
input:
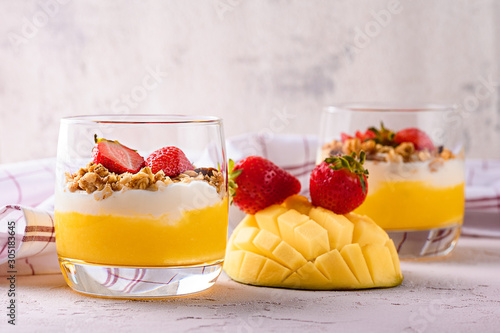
(248, 61)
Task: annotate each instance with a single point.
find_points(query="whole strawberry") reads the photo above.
(418, 137)
(256, 183)
(339, 183)
(170, 159)
(116, 157)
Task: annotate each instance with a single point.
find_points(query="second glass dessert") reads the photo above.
(415, 160)
(141, 204)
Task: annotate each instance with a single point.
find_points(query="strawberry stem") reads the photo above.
(352, 164)
(383, 136)
(232, 175)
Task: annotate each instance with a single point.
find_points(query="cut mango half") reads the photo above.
(298, 246)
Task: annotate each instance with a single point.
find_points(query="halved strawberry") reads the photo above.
(344, 137)
(116, 157)
(367, 135)
(416, 136)
(339, 183)
(171, 160)
(256, 183)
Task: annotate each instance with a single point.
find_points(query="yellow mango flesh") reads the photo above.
(267, 218)
(312, 240)
(338, 227)
(299, 203)
(296, 245)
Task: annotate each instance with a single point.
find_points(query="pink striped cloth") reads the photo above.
(26, 197)
(27, 242)
(482, 194)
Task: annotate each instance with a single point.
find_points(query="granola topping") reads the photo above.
(402, 153)
(96, 178)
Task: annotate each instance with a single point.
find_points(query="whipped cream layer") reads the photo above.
(450, 173)
(172, 200)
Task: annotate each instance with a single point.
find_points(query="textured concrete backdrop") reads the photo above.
(244, 60)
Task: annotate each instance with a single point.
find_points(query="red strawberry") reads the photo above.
(418, 137)
(116, 157)
(369, 134)
(339, 183)
(344, 137)
(169, 159)
(256, 183)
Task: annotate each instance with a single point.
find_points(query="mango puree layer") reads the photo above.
(414, 205)
(198, 237)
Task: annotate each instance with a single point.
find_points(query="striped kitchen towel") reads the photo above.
(27, 247)
(482, 194)
(26, 197)
(27, 239)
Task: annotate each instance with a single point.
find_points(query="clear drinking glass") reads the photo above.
(141, 235)
(416, 193)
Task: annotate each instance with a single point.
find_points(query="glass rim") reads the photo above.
(129, 119)
(391, 107)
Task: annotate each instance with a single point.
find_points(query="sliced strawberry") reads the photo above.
(171, 160)
(369, 134)
(256, 183)
(339, 183)
(344, 137)
(116, 157)
(359, 135)
(416, 136)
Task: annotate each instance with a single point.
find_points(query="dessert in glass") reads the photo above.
(141, 204)
(415, 160)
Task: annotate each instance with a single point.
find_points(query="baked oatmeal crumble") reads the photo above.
(95, 177)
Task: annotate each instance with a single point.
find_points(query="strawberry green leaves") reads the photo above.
(351, 164)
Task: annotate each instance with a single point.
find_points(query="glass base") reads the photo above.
(429, 243)
(138, 282)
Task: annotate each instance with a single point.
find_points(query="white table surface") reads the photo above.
(460, 293)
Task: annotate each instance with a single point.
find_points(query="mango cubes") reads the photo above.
(296, 245)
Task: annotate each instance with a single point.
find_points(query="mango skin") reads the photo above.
(296, 245)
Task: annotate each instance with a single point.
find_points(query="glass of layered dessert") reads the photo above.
(141, 204)
(415, 160)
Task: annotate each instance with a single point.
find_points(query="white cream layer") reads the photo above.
(172, 200)
(451, 173)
